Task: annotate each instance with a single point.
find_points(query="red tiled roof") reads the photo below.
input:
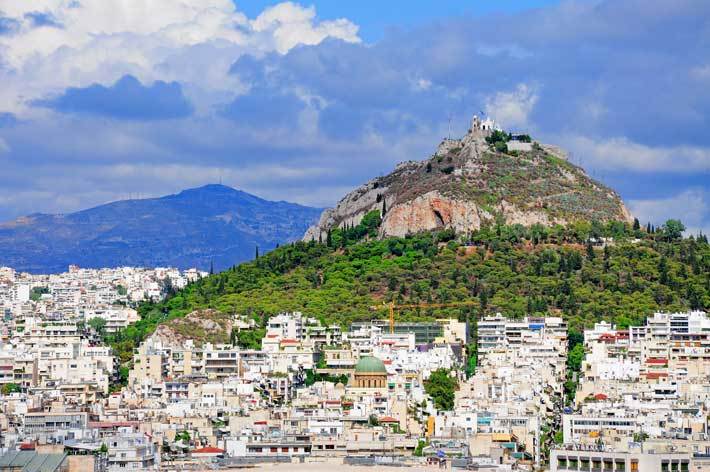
(259, 422)
(208, 450)
(600, 396)
(27, 447)
(388, 419)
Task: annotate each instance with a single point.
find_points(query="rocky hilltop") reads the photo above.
(484, 176)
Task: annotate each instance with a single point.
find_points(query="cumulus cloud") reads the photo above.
(127, 99)
(290, 24)
(620, 153)
(50, 45)
(512, 109)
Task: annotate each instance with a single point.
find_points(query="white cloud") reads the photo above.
(691, 207)
(291, 25)
(101, 40)
(513, 108)
(4, 147)
(622, 153)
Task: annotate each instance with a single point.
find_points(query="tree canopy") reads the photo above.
(441, 386)
(514, 270)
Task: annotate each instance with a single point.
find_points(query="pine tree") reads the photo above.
(637, 225)
(384, 207)
(590, 251)
(483, 300)
(663, 271)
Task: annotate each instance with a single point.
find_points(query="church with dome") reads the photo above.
(370, 372)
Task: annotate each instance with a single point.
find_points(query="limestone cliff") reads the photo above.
(467, 182)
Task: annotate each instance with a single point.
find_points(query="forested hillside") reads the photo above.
(511, 269)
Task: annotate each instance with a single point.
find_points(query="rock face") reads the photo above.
(431, 211)
(200, 326)
(467, 183)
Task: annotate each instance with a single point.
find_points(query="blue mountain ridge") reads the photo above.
(194, 228)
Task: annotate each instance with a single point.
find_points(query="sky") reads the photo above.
(108, 99)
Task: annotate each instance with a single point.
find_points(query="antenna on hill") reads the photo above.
(449, 125)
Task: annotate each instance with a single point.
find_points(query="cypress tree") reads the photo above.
(256, 254)
(384, 207)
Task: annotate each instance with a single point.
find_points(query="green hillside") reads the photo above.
(514, 270)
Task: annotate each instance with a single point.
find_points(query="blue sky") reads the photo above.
(376, 18)
(304, 101)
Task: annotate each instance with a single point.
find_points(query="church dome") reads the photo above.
(370, 365)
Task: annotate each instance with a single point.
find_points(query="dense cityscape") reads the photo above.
(622, 399)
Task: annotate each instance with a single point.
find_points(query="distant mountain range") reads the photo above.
(194, 228)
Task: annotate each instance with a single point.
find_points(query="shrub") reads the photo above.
(500, 146)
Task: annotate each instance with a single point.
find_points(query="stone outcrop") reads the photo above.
(200, 326)
(431, 211)
(467, 183)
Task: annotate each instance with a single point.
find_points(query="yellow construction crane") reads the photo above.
(392, 307)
